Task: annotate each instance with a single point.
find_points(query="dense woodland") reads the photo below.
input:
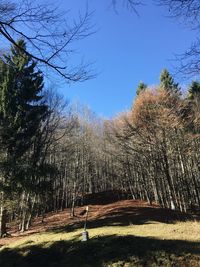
(53, 154)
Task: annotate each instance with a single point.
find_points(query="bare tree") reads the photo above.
(188, 12)
(49, 34)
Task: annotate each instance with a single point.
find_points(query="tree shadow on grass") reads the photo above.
(125, 216)
(141, 215)
(102, 251)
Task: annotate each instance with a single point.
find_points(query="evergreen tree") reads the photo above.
(191, 111)
(21, 114)
(141, 87)
(168, 84)
(194, 90)
(21, 110)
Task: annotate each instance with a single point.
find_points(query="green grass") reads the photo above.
(150, 244)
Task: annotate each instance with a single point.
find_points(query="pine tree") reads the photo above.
(141, 87)
(191, 111)
(168, 84)
(194, 90)
(21, 114)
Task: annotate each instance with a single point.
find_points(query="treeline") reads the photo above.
(52, 155)
(158, 145)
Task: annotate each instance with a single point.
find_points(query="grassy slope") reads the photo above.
(149, 243)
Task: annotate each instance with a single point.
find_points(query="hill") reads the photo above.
(123, 233)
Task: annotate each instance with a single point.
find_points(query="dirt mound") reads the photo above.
(124, 212)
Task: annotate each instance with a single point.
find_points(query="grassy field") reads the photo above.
(151, 243)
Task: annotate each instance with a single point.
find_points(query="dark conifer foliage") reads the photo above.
(21, 94)
(168, 84)
(141, 87)
(194, 90)
(21, 113)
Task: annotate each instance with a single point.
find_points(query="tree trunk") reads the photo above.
(2, 217)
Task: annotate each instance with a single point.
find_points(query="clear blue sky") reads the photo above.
(126, 49)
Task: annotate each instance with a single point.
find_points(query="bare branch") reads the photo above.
(187, 10)
(190, 60)
(129, 4)
(48, 35)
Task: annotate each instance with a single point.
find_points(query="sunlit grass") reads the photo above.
(178, 231)
(152, 243)
(189, 231)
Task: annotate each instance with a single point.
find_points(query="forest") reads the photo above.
(52, 154)
(99, 133)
